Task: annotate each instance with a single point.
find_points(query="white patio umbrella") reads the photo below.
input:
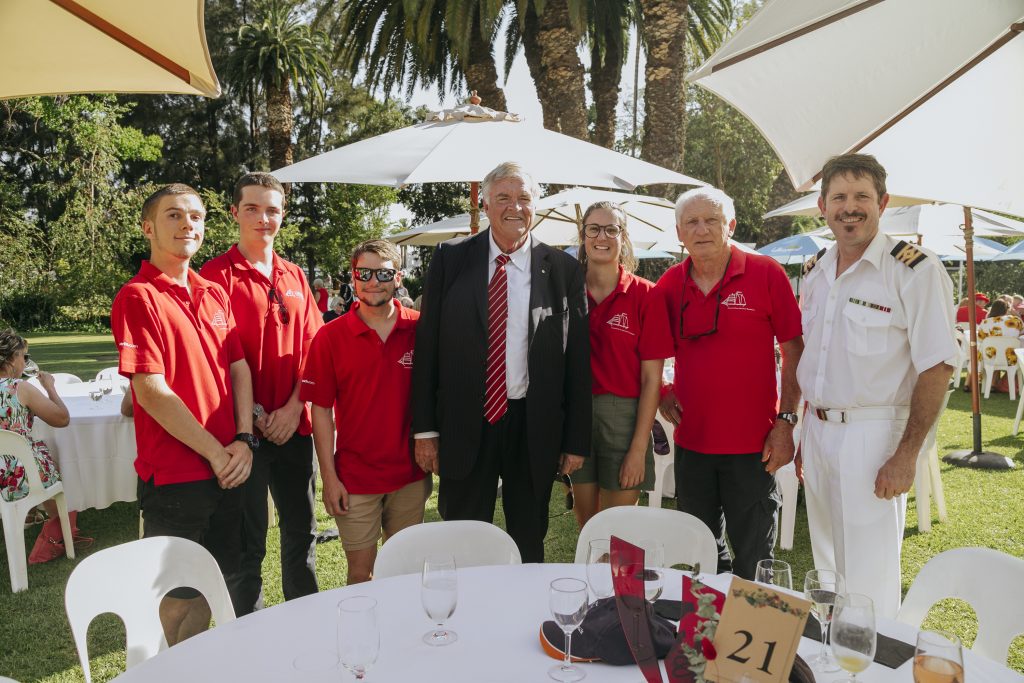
(432, 234)
(807, 205)
(795, 248)
(930, 87)
(1014, 253)
(650, 219)
(464, 144)
(63, 46)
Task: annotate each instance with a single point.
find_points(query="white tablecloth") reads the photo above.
(499, 613)
(96, 452)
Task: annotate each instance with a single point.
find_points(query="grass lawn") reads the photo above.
(984, 509)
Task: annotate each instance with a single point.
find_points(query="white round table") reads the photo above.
(498, 617)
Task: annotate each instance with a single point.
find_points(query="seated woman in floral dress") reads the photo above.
(20, 403)
(1000, 322)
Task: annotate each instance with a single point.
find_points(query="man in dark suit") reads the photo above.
(501, 378)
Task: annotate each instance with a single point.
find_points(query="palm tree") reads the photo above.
(608, 34)
(271, 54)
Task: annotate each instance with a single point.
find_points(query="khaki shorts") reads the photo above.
(369, 514)
(612, 433)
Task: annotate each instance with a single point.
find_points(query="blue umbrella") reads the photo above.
(1014, 253)
(795, 248)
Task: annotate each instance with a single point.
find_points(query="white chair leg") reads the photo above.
(938, 492)
(1011, 381)
(987, 387)
(141, 527)
(1020, 412)
(661, 465)
(922, 491)
(789, 486)
(65, 525)
(14, 538)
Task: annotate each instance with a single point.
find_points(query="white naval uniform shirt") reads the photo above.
(870, 332)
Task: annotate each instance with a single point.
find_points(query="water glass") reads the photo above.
(654, 568)
(106, 384)
(358, 634)
(774, 573)
(938, 658)
(853, 633)
(568, 601)
(821, 586)
(439, 593)
(599, 568)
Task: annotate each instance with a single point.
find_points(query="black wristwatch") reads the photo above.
(249, 440)
(791, 418)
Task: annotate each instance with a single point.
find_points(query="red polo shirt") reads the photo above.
(190, 340)
(725, 382)
(962, 314)
(274, 350)
(620, 337)
(368, 382)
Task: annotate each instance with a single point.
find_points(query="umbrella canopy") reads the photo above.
(937, 97)
(650, 219)
(951, 248)
(465, 144)
(78, 46)
(1014, 253)
(807, 205)
(795, 248)
(432, 234)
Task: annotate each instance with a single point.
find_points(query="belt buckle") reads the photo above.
(822, 414)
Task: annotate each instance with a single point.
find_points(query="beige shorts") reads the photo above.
(369, 514)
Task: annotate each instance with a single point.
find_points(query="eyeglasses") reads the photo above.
(610, 231)
(275, 298)
(382, 274)
(718, 308)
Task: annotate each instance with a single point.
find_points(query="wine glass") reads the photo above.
(654, 568)
(95, 392)
(568, 600)
(106, 384)
(358, 635)
(31, 369)
(774, 573)
(853, 633)
(821, 587)
(938, 658)
(599, 568)
(440, 593)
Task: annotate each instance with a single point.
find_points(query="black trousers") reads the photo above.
(734, 493)
(503, 453)
(287, 471)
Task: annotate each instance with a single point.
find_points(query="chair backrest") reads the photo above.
(130, 580)
(66, 378)
(1000, 345)
(990, 581)
(687, 539)
(110, 372)
(473, 544)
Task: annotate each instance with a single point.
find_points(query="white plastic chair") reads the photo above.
(687, 539)
(990, 581)
(789, 486)
(13, 513)
(1020, 403)
(472, 543)
(998, 362)
(130, 580)
(108, 373)
(962, 355)
(662, 465)
(928, 480)
(66, 378)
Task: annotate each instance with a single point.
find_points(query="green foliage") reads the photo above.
(1001, 277)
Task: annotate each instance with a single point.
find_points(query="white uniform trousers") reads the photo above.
(852, 530)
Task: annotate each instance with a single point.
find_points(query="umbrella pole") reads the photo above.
(474, 207)
(975, 457)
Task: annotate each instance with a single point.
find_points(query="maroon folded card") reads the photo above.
(627, 562)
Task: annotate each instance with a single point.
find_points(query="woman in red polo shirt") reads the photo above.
(626, 367)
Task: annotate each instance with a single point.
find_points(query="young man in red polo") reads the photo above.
(360, 366)
(277, 319)
(724, 309)
(192, 397)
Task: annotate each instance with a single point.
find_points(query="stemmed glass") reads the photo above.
(938, 658)
(440, 593)
(853, 633)
(654, 568)
(821, 587)
(599, 568)
(358, 634)
(568, 600)
(95, 392)
(774, 573)
(31, 369)
(106, 384)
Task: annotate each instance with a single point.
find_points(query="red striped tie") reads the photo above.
(496, 393)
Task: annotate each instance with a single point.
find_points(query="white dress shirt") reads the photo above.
(871, 331)
(517, 331)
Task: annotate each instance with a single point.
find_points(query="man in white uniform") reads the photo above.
(879, 349)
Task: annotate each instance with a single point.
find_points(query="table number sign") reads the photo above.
(758, 634)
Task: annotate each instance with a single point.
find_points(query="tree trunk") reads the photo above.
(482, 74)
(664, 87)
(279, 122)
(604, 86)
(532, 51)
(561, 68)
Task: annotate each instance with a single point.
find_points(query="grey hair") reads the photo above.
(711, 194)
(318, 283)
(509, 169)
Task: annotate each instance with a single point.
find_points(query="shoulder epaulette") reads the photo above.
(908, 254)
(809, 263)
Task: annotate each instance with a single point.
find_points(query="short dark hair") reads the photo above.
(259, 179)
(149, 206)
(10, 343)
(857, 165)
(998, 307)
(387, 251)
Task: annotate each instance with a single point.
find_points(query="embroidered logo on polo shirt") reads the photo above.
(128, 345)
(736, 301)
(219, 320)
(620, 322)
(308, 381)
(293, 293)
(406, 360)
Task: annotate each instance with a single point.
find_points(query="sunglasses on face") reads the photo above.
(382, 274)
(275, 298)
(610, 231)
